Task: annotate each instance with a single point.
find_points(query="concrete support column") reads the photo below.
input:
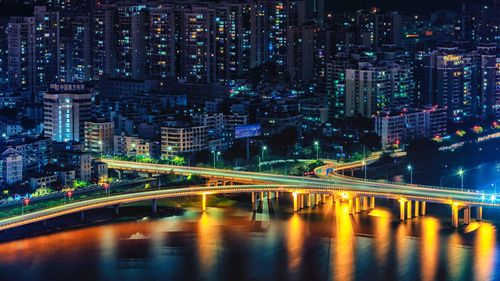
(423, 208)
(372, 203)
(277, 195)
(365, 203)
(349, 202)
(301, 201)
(408, 209)
(417, 208)
(479, 213)
(356, 204)
(154, 206)
(295, 203)
(117, 209)
(308, 200)
(323, 200)
(204, 202)
(402, 208)
(82, 215)
(454, 216)
(253, 198)
(261, 196)
(467, 212)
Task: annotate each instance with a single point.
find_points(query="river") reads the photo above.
(322, 243)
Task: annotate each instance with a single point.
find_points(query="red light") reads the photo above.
(26, 201)
(70, 194)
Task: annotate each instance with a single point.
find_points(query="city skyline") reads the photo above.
(369, 121)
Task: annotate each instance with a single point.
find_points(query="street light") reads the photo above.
(364, 166)
(69, 194)
(461, 173)
(316, 144)
(24, 201)
(410, 168)
(264, 148)
(100, 147)
(213, 153)
(169, 154)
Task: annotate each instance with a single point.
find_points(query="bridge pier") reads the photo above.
(317, 199)
(402, 208)
(154, 206)
(467, 211)
(454, 215)
(301, 201)
(261, 197)
(82, 215)
(479, 213)
(356, 204)
(372, 203)
(323, 199)
(408, 209)
(295, 203)
(365, 203)
(423, 208)
(117, 209)
(417, 208)
(350, 206)
(204, 202)
(276, 195)
(308, 202)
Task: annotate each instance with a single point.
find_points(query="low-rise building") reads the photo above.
(135, 146)
(11, 166)
(395, 129)
(180, 137)
(36, 152)
(99, 137)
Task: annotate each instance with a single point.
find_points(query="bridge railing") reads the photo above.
(475, 191)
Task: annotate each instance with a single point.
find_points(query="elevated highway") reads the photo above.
(360, 194)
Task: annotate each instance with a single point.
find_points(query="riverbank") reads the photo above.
(127, 213)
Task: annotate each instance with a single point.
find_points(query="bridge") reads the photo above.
(306, 192)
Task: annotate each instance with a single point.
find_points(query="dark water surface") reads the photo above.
(323, 243)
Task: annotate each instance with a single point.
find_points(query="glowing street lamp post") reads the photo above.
(461, 173)
(69, 194)
(365, 167)
(316, 144)
(213, 153)
(23, 202)
(410, 168)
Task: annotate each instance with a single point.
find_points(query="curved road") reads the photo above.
(332, 183)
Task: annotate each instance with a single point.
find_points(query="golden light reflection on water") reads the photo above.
(401, 250)
(429, 254)
(295, 241)
(208, 234)
(344, 245)
(484, 251)
(382, 235)
(456, 256)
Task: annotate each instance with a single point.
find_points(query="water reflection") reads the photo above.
(324, 243)
(429, 254)
(344, 245)
(485, 252)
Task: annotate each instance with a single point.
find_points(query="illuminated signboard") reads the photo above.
(247, 131)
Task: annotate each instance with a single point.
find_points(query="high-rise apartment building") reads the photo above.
(451, 78)
(47, 43)
(21, 54)
(370, 88)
